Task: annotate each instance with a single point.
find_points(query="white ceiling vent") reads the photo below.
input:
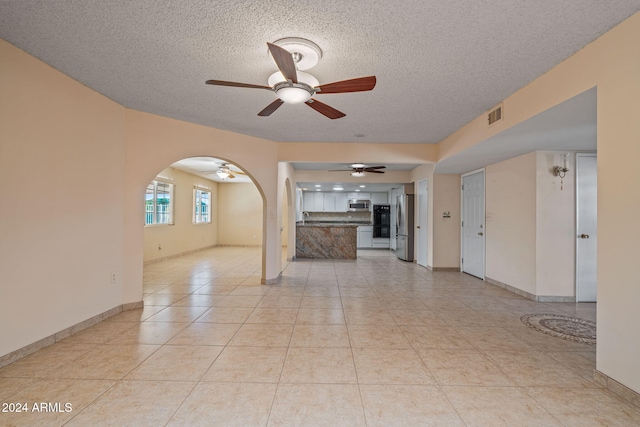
(495, 115)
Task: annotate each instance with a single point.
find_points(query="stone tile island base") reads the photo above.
(327, 241)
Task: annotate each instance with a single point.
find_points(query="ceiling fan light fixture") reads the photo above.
(222, 174)
(357, 174)
(293, 94)
(358, 165)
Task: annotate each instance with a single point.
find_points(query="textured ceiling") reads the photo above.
(438, 64)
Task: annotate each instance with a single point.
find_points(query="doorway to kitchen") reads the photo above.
(472, 233)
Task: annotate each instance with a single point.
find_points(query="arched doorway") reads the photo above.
(199, 203)
(179, 140)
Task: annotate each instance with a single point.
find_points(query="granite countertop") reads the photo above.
(321, 221)
(327, 224)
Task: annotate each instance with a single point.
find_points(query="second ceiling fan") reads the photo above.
(293, 86)
(224, 171)
(359, 169)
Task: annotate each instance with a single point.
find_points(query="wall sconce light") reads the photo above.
(562, 170)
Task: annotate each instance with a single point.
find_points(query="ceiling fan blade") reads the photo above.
(373, 171)
(271, 108)
(374, 167)
(235, 84)
(284, 61)
(324, 109)
(360, 84)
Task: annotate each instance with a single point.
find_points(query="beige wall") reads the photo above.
(349, 152)
(239, 215)
(510, 189)
(446, 231)
(284, 226)
(530, 222)
(183, 236)
(62, 169)
(287, 192)
(322, 176)
(617, 55)
(555, 227)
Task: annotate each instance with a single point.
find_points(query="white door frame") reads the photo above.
(484, 249)
(422, 247)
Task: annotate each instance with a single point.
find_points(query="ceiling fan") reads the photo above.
(225, 171)
(359, 169)
(293, 86)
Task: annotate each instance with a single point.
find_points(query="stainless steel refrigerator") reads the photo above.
(404, 227)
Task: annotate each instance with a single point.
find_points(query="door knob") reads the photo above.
(418, 226)
(481, 234)
(584, 236)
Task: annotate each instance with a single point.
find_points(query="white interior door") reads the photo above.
(473, 231)
(422, 244)
(586, 227)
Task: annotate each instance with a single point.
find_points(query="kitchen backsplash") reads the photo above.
(338, 216)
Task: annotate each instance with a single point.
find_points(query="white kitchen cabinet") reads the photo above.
(307, 201)
(313, 202)
(335, 201)
(329, 202)
(325, 201)
(341, 202)
(359, 195)
(319, 201)
(365, 236)
(381, 242)
(379, 199)
(299, 204)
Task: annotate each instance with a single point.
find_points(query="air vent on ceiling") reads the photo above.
(495, 115)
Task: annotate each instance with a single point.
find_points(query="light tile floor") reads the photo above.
(372, 342)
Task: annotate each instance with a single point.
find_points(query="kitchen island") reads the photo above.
(326, 240)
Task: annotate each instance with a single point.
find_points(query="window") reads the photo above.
(159, 203)
(201, 206)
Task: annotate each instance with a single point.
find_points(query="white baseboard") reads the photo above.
(538, 298)
(624, 392)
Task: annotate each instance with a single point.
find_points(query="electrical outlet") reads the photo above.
(113, 278)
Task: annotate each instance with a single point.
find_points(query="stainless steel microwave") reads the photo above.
(356, 205)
